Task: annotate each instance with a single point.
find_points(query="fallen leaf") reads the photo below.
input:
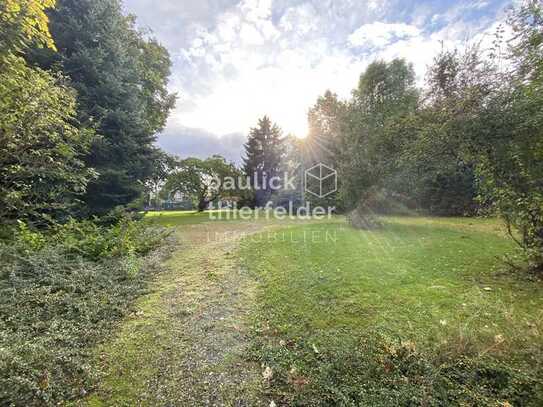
(299, 381)
(267, 373)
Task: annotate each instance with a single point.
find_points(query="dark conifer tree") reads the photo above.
(120, 76)
(263, 154)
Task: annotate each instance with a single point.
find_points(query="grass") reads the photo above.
(183, 218)
(177, 218)
(333, 301)
(420, 312)
(184, 343)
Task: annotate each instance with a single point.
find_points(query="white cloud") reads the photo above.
(379, 35)
(236, 60)
(250, 35)
(300, 20)
(373, 4)
(284, 91)
(256, 10)
(279, 71)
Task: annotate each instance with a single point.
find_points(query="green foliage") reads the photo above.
(323, 141)
(120, 77)
(470, 142)
(60, 293)
(432, 167)
(377, 370)
(263, 156)
(510, 166)
(164, 164)
(392, 149)
(374, 128)
(525, 51)
(97, 242)
(203, 180)
(510, 160)
(24, 23)
(511, 176)
(42, 171)
(490, 119)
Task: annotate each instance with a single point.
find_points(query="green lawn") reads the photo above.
(176, 218)
(421, 312)
(180, 218)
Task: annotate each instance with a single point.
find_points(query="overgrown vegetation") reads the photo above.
(372, 369)
(82, 123)
(412, 312)
(120, 76)
(42, 169)
(61, 292)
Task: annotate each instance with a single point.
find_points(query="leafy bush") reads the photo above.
(95, 242)
(42, 169)
(60, 293)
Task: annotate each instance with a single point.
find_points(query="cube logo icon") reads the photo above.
(320, 180)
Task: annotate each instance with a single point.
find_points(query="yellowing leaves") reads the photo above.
(23, 22)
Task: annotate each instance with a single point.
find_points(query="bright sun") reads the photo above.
(297, 128)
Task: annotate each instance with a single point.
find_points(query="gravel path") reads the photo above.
(185, 345)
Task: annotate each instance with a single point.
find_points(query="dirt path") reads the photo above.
(185, 344)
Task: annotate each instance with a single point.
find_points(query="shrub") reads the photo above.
(97, 242)
(42, 169)
(60, 293)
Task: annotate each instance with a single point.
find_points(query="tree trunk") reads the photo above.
(202, 205)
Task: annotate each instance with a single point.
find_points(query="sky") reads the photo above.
(235, 61)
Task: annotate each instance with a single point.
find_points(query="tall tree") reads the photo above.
(374, 129)
(263, 154)
(488, 113)
(324, 119)
(42, 172)
(120, 78)
(507, 137)
(434, 171)
(203, 180)
(164, 165)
